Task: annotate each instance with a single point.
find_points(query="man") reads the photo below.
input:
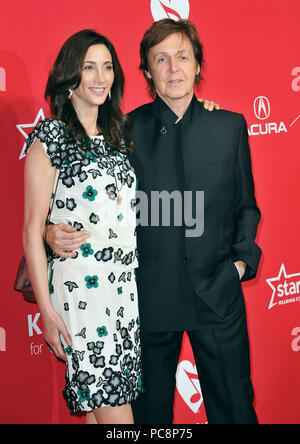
(191, 281)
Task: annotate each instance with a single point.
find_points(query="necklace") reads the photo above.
(118, 198)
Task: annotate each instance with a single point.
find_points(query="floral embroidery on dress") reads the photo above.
(87, 167)
(94, 291)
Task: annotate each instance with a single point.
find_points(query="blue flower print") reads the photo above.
(68, 350)
(86, 250)
(90, 193)
(84, 394)
(91, 281)
(102, 331)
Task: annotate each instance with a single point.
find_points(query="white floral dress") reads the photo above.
(95, 292)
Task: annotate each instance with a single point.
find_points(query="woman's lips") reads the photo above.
(96, 90)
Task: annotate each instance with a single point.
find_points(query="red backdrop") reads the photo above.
(253, 67)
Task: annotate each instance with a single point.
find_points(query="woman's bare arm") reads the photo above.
(39, 179)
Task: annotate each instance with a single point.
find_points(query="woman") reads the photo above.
(89, 306)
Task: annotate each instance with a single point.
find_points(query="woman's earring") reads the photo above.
(109, 95)
(71, 93)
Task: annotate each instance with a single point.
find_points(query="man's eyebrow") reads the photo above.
(182, 51)
(177, 53)
(160, 53)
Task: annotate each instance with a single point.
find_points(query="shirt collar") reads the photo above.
(167, 117)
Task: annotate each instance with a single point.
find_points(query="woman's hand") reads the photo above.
(53, 327)
(209, 105)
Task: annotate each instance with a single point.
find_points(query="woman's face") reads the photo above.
(97, 77)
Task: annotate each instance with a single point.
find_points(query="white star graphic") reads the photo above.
(282, 271)
(40, 116)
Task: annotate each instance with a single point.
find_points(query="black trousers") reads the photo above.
(221, 352)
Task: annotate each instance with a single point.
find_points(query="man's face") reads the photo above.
(173, 67)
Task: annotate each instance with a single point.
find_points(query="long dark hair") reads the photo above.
(66, 74)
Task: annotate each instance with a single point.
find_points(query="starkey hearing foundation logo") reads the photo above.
(296, 79)
(2, 79)
(173, 9)
(26, 128)
(286, 288)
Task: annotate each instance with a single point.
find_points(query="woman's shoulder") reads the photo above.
(51, 133)
(49, 128)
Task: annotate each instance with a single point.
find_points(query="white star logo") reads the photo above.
(21, 126)
(283, 290)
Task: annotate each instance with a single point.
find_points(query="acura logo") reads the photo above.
(262, 111)
(262, 107)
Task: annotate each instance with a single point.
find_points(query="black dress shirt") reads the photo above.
(167, 292)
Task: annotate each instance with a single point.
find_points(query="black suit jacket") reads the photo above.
(215, 158)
